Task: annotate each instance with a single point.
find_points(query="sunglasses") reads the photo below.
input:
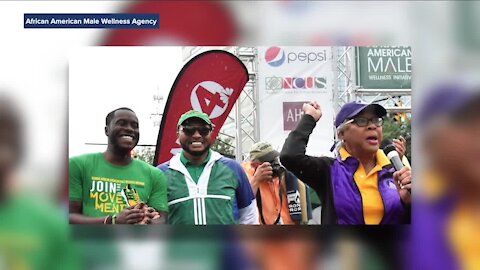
(189, 131)
(363, 122)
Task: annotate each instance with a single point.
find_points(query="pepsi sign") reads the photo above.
(276, 56)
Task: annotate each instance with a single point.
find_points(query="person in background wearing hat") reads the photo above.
(205, 187)
(112, 187)
(447, 207)
(267, 178)
(359, 186)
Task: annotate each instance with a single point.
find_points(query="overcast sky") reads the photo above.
(102, 79)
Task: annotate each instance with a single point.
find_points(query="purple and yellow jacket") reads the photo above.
(333, 181)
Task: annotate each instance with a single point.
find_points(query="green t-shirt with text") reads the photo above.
(34, 235)
(104, 188)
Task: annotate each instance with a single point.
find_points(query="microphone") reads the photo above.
(393, 156)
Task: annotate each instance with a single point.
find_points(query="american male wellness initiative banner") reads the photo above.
(384, 67)
(287, 78)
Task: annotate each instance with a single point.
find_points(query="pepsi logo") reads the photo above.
(275, 56)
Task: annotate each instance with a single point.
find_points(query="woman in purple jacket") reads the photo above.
(360, 185)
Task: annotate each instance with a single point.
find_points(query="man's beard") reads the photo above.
(194, 153)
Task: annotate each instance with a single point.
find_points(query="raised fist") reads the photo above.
(313, 109)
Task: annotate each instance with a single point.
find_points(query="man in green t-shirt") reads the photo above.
(33, 232)
(112, 187)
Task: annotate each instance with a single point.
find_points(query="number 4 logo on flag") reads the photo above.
(212, 81)
(211, 98)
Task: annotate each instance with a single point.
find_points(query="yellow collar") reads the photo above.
(433, 186)
(382, 159)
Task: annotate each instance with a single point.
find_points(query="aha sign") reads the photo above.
(292, 112)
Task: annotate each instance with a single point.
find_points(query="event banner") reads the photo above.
(384, 67)
(287, 78)
(210, 82)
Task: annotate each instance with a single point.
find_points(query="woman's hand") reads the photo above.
(403, 181)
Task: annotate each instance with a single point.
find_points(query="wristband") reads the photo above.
(114, 219)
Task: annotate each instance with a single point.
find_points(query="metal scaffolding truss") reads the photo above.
(244, 115)
(344, 84)
(394, 100)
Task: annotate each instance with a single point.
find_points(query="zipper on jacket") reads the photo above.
(383, 201)
(361, 199)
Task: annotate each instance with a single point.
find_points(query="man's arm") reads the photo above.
(76, 217)
(247, 205)
(158, 198)
(127, 216)
(262, 174)
(249, 215)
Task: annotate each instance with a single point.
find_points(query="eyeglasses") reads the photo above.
(189, 131)
(363, 122)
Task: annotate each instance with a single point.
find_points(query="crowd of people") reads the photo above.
(202, 187)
